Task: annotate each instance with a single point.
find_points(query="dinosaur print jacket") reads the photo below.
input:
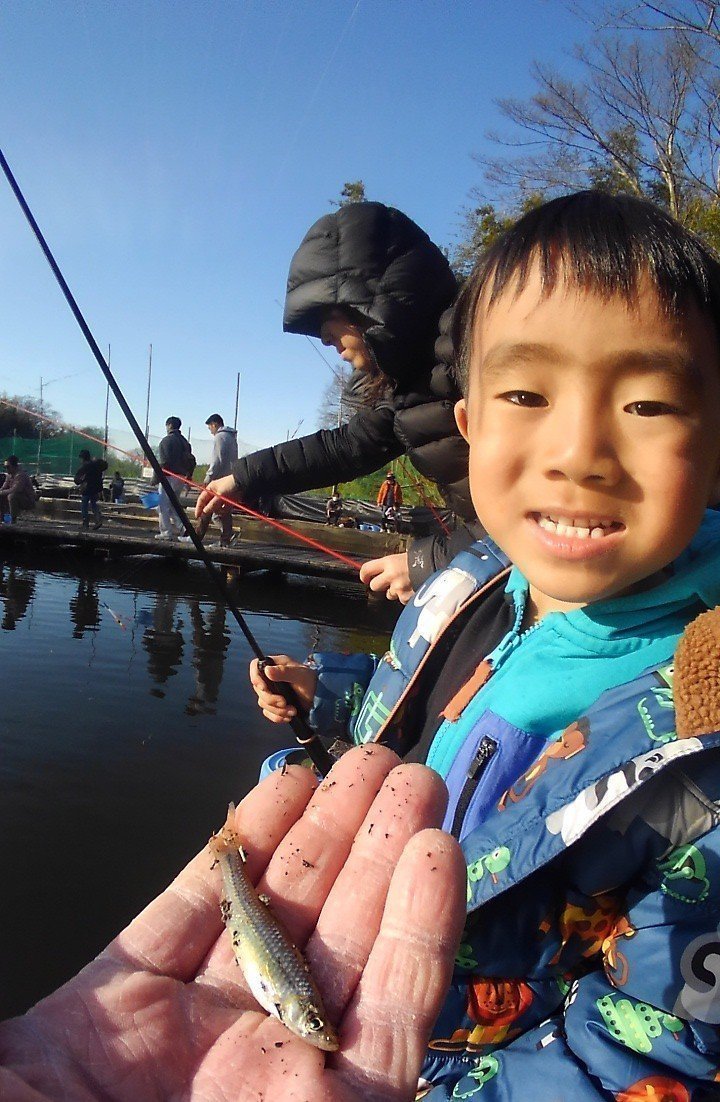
(589, 966)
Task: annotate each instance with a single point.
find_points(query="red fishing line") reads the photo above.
(195, 485)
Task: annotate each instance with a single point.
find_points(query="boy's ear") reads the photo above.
(461, 418)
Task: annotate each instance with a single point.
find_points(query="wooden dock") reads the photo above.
(121, 537)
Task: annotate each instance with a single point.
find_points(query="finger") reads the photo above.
(257, 678)
(203, 498)
(277, 717)
(314, 851)
(279, 714)
(411, 799)
(386, 1029)
(279, 671)
(258, 672)
(272, 701)
(380, 583)
(175, 932)
(369, 569)
(276, 707)
(310, 856)
(391, 595)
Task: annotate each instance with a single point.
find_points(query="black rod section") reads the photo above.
(303, 732)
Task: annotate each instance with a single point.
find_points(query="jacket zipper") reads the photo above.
(476, 769)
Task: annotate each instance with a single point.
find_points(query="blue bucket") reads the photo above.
(150, 500)
(292, 756)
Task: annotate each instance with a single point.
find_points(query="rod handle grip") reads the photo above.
(304, 734)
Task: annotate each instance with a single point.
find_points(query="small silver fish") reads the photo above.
(275, 969)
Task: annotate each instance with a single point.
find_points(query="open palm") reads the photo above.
(164, 1013)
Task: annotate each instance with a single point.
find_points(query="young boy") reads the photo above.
(587, 807)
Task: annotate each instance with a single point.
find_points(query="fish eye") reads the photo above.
(315, 1024)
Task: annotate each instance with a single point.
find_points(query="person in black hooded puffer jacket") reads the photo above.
(368, 281)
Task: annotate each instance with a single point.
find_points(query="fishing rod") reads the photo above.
(299, 536)
(304, 734)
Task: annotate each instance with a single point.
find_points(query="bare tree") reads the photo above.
(634, 121)
(697, 18)
(335, 409)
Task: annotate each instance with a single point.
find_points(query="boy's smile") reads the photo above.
(594, 431)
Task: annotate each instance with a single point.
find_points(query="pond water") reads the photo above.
(127, 723)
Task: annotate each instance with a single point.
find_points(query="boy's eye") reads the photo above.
(524, 398)
(649, 409)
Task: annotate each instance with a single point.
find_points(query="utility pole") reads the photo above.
(147, 404)
(237, 400)
(107, 405)
(40, 430)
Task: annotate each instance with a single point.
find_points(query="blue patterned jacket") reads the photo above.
(590, 964)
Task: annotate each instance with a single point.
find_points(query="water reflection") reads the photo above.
(85, 608)
(144, 728)
(17, 589)
(210, 643)
(164, 642)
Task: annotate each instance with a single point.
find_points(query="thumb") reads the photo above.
(368, 570)
(276, 672)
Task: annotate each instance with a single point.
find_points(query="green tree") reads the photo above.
(483, 225)
(353, 191)
(16, 417)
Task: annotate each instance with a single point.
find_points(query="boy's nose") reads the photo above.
(581, 449)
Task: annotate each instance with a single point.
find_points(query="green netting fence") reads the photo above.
(58, 455)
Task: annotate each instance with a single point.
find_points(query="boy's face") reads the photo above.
(594, 432)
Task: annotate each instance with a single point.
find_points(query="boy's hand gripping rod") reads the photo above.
(308, 739)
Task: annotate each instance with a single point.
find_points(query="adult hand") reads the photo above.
(164, 1011)
(389, 575)
(209, 502)
(303, 680)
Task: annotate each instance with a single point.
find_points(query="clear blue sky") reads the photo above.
(175, 152)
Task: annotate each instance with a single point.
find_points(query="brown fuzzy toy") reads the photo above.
(696, 684)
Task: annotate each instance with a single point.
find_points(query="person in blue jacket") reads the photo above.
(562, 674)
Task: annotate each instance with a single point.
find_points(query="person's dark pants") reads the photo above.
(88, 502)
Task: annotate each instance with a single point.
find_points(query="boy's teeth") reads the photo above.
(564, 526)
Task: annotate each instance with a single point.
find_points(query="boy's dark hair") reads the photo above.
(12, 461)
(215, 419)
(603, 243)
(173, 423)
(84, 454)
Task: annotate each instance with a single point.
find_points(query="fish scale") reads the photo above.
(275, 969)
